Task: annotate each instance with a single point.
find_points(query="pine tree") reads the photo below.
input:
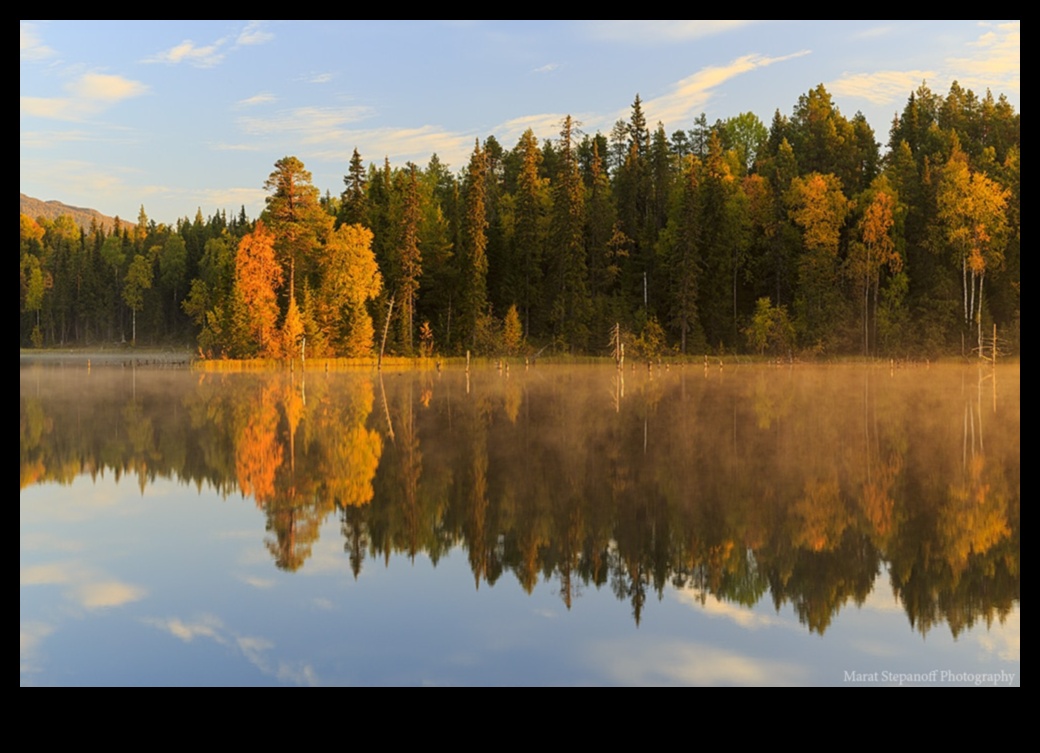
(409, 256)
(353, 208)
(568, 280)
(529, 234)
(472, 259)
(294, 215)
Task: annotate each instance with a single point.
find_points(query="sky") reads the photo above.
(179, 116)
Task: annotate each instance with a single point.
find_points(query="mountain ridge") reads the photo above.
(82, 216)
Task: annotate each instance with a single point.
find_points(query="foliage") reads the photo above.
(771, 329)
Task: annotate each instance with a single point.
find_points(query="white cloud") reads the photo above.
(547, 68)
(318, 78)
(401, 144)
(30, 636)
(681, 663)
(210, 55)
(545, 125)
(880, 87)
(30, 46)
(712, 606)
(225, 147)
(995, 62)
(47, 139)
(253, 34)
(253, 649)
(874, 32)
(262, 98)
(91, 93)
(201, 57)
(690, 95)
(102, 87)
(104, 594)
(207, 626)
(89, 589)
(310, 125)
(1003, 641)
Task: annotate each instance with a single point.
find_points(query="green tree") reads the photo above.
(409, 256)
(138, 280)
(568, 269)
(532, 201)
(681, 248)
(770, 329)
(472, 258)
(353, 208)
(746, 135)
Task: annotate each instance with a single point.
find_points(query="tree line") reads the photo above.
(797, 238)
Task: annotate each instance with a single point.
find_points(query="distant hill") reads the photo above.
(53, 209)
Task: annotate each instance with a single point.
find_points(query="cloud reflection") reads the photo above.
(675, 663)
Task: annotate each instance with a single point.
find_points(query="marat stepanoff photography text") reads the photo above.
(934, 677)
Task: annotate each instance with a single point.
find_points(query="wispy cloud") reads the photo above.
(111, 593)
(262, 98)
(995, 61)
(643, 32)
(223, 146)
(681, 663)
(88, 588)
(101, 87)
(253, 34)
(873, 32)
(206, 626)
(311, 125)
(401, 144)
(205, 56)
(47, 139)
(547, 68)
(212, 54)
(880, 87)
(30, 45)
(90, 93)
(317, 78)
(544, 125)
(257, 651)
(715, 607)
(690, 95)
(30, 636)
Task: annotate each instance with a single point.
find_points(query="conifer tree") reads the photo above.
(472, 258)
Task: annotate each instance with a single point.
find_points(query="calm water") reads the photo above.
(832, 525)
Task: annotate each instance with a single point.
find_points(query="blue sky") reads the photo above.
(180, 115)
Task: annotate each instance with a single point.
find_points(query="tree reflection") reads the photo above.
(805, 483)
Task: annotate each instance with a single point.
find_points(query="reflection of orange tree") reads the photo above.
(258, 454)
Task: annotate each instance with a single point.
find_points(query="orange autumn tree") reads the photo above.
(257, 277)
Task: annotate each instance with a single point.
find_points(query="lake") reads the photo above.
(840, 525)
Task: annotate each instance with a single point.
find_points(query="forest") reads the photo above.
(799, 239)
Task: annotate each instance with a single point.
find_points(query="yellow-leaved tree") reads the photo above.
(350, 279)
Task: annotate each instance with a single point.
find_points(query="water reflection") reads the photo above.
(802, 485)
